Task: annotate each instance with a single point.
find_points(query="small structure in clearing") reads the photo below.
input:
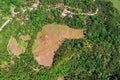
(49, 40)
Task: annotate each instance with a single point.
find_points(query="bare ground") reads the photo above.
(49, 40)
(60, 78)
(14, 47)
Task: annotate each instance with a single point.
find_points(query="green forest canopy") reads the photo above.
(95, 57)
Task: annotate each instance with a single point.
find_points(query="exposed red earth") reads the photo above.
(49, 40)
(16, 47)
(13, 47)
(60, 78)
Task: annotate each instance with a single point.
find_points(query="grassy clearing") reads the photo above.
(116, 4)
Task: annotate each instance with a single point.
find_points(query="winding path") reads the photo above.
(65, 12)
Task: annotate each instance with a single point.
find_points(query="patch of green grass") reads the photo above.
(116, 4)
(22, 43)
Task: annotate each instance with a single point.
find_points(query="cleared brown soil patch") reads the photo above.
(49, 40)
(60, 78)
(15, 48)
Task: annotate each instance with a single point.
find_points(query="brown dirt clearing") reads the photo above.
(15, 48)
(60, 78)
(49, 40)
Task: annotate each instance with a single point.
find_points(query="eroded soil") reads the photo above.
(13, 47)
(49, 40)
(16, 47)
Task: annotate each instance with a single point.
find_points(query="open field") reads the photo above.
(50, 39)
(116, 4)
